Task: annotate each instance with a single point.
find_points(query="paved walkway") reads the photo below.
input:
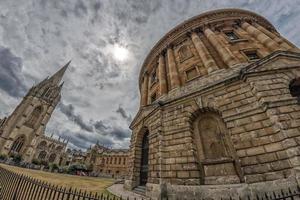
(118, 190)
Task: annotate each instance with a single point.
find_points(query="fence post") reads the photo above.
(16, 190)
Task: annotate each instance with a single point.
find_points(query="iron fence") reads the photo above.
(15, 186)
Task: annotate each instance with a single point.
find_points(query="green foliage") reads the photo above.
(45, 163)
(3, 156)
(73, 168)
(36, 162)
(17, 158)
(54, 166)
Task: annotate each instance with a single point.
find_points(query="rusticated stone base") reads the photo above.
(174, 192)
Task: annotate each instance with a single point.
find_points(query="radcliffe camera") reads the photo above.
(149, 100)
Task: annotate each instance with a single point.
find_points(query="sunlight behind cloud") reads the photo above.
(120, 53)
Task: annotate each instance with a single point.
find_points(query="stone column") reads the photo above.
(174, 76)
(144, 90)
(149, 89)
(275, 37)
(226, 55)
(205, 56)
(261, 37)
(162, 75)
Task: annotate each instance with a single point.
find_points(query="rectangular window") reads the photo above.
(191, 73)
(153, 97)
(252, 55)
(231, 35)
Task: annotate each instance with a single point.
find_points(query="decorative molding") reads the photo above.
(205, 19)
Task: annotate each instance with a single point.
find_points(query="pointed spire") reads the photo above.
(57, 77)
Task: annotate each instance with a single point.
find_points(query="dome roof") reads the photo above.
(198, 21)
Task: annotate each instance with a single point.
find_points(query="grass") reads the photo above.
(90, 184)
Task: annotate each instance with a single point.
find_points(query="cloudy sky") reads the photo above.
(107, 41)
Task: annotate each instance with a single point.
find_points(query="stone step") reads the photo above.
(140, 190)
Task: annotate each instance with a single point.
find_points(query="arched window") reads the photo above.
(212, 137)
(215, 152)
(59, 148)
(42, 145)
(184, 53)
(42, 155)
(52, 158)
(51, 146)
(34, 117)
(295, 87)
(18, 144)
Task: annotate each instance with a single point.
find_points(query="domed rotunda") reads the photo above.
(219, 113)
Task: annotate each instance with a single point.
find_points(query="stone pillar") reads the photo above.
(205, 56)
(261, 37)
(144, 90)
(148, 90)
(162, 75)
(174, 76)
(226, 55)
(275, 37)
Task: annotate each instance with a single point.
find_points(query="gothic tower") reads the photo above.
(20, 131)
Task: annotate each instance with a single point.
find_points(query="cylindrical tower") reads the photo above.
(214, 92)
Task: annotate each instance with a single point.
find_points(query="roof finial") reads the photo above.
(57, 77)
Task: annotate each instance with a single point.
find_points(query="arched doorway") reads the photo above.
(18, 144)
(295, 87)
(144, 159)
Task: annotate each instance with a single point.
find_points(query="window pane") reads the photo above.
(232, 35)
(191, 73)
(252, 55)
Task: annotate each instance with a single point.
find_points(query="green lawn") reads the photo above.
(90, 184)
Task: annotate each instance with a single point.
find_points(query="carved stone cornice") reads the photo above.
(203, 20)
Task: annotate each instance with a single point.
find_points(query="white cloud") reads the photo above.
(46, 34)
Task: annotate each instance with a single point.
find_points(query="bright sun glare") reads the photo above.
(120, 53)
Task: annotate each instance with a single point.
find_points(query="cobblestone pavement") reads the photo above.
(118, 190)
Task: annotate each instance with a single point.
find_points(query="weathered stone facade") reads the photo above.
(24, 130)
(219, 110)
(51, 150)
(108, 162)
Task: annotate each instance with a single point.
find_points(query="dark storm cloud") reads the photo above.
(68, 110)
(49, 32)
(123, 113)
(83, 140)
(80, 9)
(11, 76)
(111, 130)
(119, 133)
(102, 128)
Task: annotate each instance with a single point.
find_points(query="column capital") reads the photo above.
(163, 52)
(170, 46)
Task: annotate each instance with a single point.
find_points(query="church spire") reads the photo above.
(57, 77)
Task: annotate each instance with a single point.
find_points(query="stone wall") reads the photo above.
(230, 121)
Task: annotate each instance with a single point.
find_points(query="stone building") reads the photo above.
(75, 156)
(219, 112)
(23, 132)
(108, 162)
(51, 150)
